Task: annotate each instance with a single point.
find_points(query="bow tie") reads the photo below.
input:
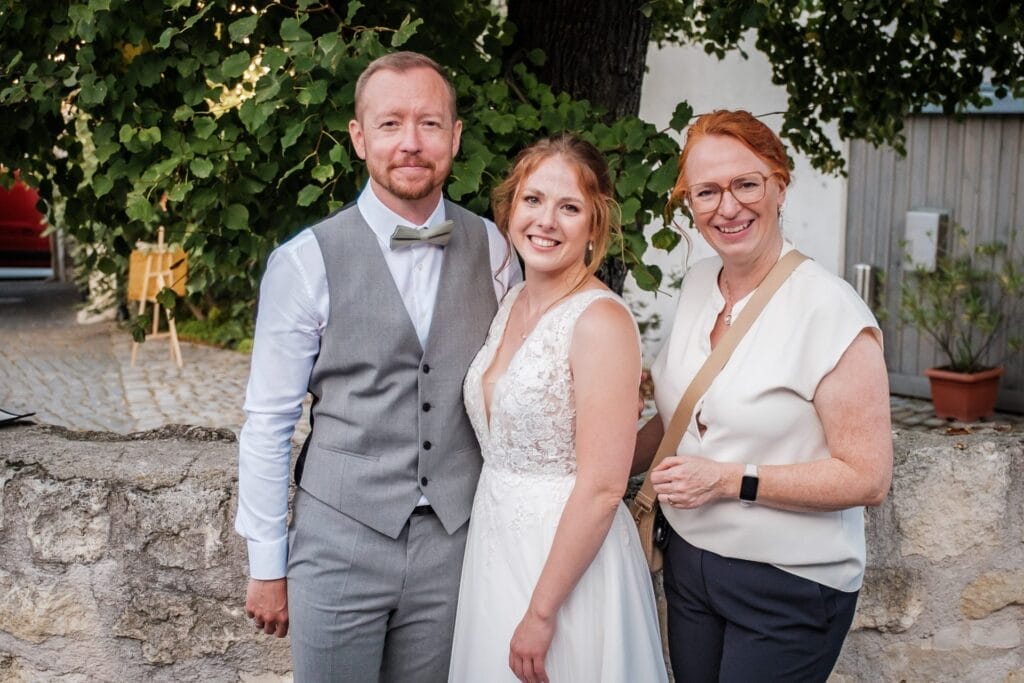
(439, 234)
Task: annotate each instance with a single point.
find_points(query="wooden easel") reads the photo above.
(156, 275)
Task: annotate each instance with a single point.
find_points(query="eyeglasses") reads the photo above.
(746, 189)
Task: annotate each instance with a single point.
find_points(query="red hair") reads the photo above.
(743, 127)
(591, 173)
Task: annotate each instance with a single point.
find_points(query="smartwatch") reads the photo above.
(748, 485)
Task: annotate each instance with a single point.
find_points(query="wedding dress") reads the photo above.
(607, 629)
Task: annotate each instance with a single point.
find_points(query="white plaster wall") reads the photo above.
(815, 211)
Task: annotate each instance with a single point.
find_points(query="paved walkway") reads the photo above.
(79, 376)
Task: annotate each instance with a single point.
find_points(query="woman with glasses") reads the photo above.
(764, 496)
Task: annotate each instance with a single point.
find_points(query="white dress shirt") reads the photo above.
(293, 310)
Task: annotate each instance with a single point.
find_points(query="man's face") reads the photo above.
(405, 131)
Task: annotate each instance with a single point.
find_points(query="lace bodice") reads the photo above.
(532, 428)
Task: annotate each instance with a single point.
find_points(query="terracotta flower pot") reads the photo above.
(964, 396)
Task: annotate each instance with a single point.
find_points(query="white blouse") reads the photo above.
(760, 410)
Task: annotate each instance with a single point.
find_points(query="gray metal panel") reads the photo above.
(974, 168)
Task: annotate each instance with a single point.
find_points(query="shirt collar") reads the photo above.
(383, 220)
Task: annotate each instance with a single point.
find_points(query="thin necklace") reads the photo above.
(728, 300)
(526, 317)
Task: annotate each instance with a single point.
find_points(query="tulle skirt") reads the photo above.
(607, 629)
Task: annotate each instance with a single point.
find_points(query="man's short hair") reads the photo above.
(401, 62)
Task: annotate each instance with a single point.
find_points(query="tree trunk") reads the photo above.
(613, 273)
(596, 49)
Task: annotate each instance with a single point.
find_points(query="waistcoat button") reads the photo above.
(426, 407)
(423, 481)
(427, 445)
(426, 369)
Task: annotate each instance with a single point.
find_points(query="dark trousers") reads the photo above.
(735, 620)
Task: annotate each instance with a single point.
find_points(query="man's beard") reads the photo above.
(410, 190)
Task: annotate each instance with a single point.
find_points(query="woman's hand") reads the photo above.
(529, 647)
(689, 481)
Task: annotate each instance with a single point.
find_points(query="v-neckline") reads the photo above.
(488, 405)
(488, 402)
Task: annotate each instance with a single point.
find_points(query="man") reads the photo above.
(380, 329)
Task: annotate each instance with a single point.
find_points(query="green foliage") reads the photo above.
(237, 113)
(512, 111)
(861, 65)
(227, 124)
(220, 328)
(968, 300)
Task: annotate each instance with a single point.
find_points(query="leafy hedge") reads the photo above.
(237, 118)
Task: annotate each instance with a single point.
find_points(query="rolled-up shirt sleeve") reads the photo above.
(289, 322)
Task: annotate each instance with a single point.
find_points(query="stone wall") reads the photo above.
(943, 597)
(118, 562)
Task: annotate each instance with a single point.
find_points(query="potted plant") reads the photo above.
(964, 304)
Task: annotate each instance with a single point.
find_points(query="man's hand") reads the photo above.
(266, 603)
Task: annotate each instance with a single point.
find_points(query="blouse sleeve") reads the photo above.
(834, 316)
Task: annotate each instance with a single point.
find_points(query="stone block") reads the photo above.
(68, 520)
(996, 633)
(991, 592)
(174, 627)
(14, 669)
(911, 662)
(185, 526)
(35, 608)
(890, 601)
(938, 509)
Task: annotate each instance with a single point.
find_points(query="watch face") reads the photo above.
(748, 488)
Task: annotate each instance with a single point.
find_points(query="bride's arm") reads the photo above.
(605, 363)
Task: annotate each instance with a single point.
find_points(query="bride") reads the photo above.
(554, 587)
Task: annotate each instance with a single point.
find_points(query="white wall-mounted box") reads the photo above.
(926, 236)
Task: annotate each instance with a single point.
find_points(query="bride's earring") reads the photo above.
(588, 256)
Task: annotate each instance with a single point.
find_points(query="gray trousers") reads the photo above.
(363, 607)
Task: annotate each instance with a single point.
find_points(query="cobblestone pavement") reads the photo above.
(80, 377)
(919, 416)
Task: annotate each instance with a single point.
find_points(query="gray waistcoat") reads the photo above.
(388, 418)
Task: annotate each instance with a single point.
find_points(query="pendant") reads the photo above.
(728, 319)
